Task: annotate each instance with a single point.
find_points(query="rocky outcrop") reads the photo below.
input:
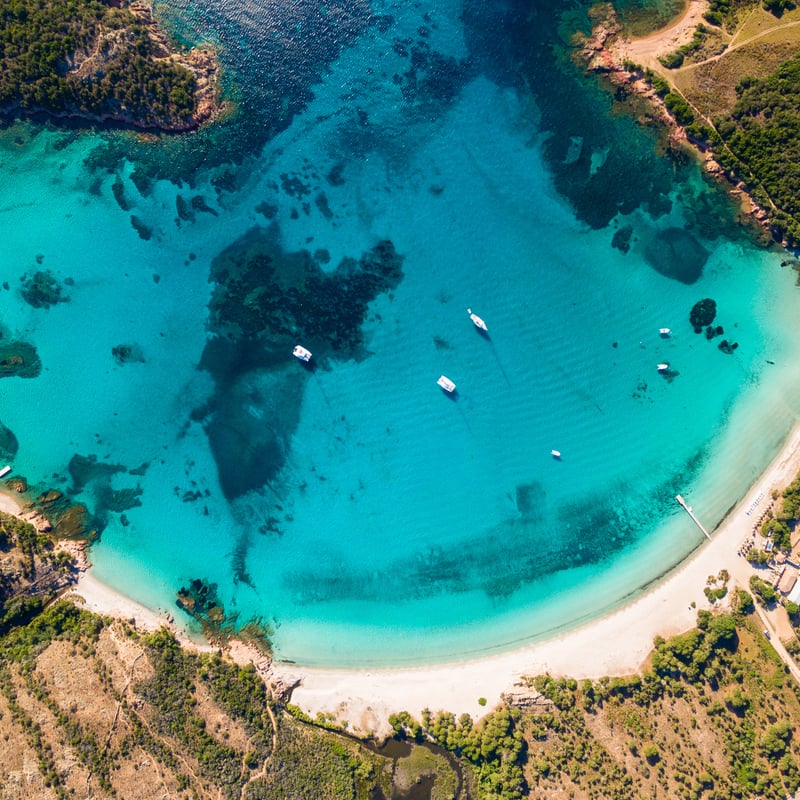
(40, 289)
(126, 71)
(68, 520)
(19, 359)
(202, 62)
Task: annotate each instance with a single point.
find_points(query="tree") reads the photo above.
(651, 753)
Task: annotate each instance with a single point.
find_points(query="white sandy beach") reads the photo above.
(617, 644)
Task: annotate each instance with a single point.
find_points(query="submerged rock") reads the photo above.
(85, 469)
(251, 427)
(621, 240)
(676, 254)
(69, 520)
(200, 600)
(266, 301)
(8, 444)
(199, 204)
(145, 231)
(118, 500)
(19, 359)
(118, 190)
(702, 314)
(126, 353)
(184, 209)
(530, 500)
(41, 289)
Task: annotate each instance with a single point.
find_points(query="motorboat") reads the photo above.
(556, 454)
(663, 367)
(301, 353)
(477, 321)
(446, 384)
(664, 332)
(5, 471)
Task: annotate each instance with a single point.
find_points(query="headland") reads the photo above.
(104, 63)
(692, 75)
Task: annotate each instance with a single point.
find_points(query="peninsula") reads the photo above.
(721, 78)
(102, 62)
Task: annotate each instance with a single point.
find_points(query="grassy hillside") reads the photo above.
(87, 704)
(92, 707)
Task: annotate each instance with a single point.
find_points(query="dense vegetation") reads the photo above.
(714, 716)
(733, 91)
(87, 57)
(762, 137)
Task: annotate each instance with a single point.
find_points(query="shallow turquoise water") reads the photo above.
(401, 525)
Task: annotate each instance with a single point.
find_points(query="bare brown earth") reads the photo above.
(646, 51)
(76, 720)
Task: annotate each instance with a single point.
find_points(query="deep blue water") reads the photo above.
(391, 166)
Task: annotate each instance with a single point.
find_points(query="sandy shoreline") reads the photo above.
(616, 644)
(646, 50)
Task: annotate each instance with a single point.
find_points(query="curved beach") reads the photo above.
(616, 644)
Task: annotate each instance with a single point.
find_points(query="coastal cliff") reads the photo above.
(102, 62)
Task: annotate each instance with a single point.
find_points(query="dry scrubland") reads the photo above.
(753, 44)
(91, 707)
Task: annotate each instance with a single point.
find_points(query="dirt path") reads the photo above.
(735, 45)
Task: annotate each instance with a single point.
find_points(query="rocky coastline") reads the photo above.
(113, 42)
(606, 53)
(201, 62)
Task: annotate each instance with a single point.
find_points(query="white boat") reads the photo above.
(301, 353)
(4, 471)
(555, 453)
(477, 321)
(663, 367)
(664, 332)
(446, 384)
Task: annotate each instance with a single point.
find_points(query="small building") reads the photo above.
(787, 580)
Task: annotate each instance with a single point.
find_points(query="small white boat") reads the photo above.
(301, 353)
(4, 471)
(664, 332)
(663, 367)
(555, 453)
(446, 384)
(477, 321)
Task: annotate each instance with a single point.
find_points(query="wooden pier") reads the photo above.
(694, 518)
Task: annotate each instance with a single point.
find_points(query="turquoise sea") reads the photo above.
(391, 165)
